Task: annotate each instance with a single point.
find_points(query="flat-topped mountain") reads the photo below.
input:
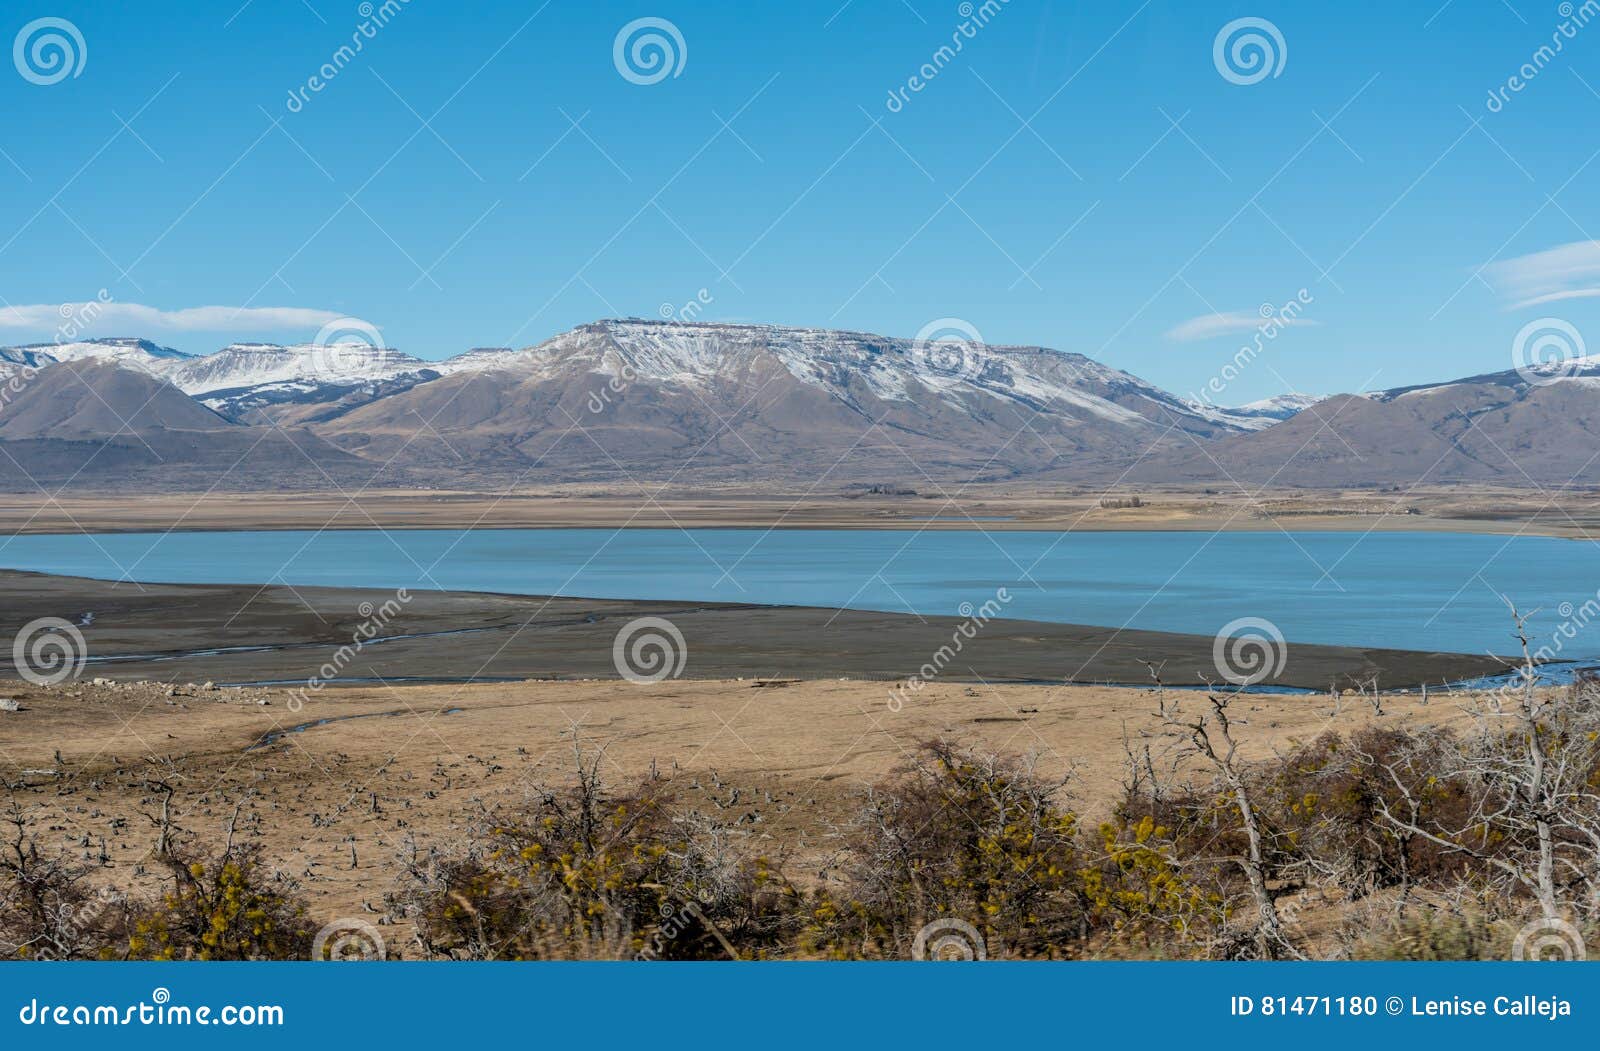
(265, 381)
(620, 398)
(135, 353)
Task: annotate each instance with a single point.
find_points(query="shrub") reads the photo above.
(590, 874)
(225, 908)
(958, 836)
(1140, 896)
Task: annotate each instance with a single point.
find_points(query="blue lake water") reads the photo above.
(1436, 591)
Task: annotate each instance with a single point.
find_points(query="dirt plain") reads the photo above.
(990, 507)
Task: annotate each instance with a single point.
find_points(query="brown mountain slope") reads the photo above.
(1487, 430)
(83, 399)
(751, 402)
(102, 425)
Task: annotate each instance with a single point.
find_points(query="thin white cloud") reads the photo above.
(1569, 271)
(1209, 326)
(135, 319)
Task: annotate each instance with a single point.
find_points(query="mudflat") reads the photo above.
(281, 634)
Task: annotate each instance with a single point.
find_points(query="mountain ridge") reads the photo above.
(625, 399)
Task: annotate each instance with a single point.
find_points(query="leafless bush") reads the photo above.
(1228, 850)
(47, 908)
(1525, 818)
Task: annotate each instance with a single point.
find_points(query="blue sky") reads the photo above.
(437, 188)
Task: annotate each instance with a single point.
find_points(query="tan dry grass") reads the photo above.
(790, 760)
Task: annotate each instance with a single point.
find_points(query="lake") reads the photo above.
(1432, 591)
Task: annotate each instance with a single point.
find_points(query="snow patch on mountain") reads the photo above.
(308, 365)
(1259, 415)
(133, 353)
(1281, 406)
(478, 359)
(1582, 372)
(844, 364)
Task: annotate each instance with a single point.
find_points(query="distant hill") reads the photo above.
(100, 423)
(1501, 428)
(92, 398)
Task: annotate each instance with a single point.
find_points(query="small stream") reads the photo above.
(267, 740)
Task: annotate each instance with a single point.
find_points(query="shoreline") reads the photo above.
(1498, 513)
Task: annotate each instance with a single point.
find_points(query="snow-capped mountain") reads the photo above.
(1255, 415)
(852, 367)
(1258, 415)
(241, 365)
(722, 400)
(132, 353)
(289, 383)
(243, 379)
(478, 359)
(308, 382)
(102, 424)
(1581, 372)
(739, 404)
(714, 400)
